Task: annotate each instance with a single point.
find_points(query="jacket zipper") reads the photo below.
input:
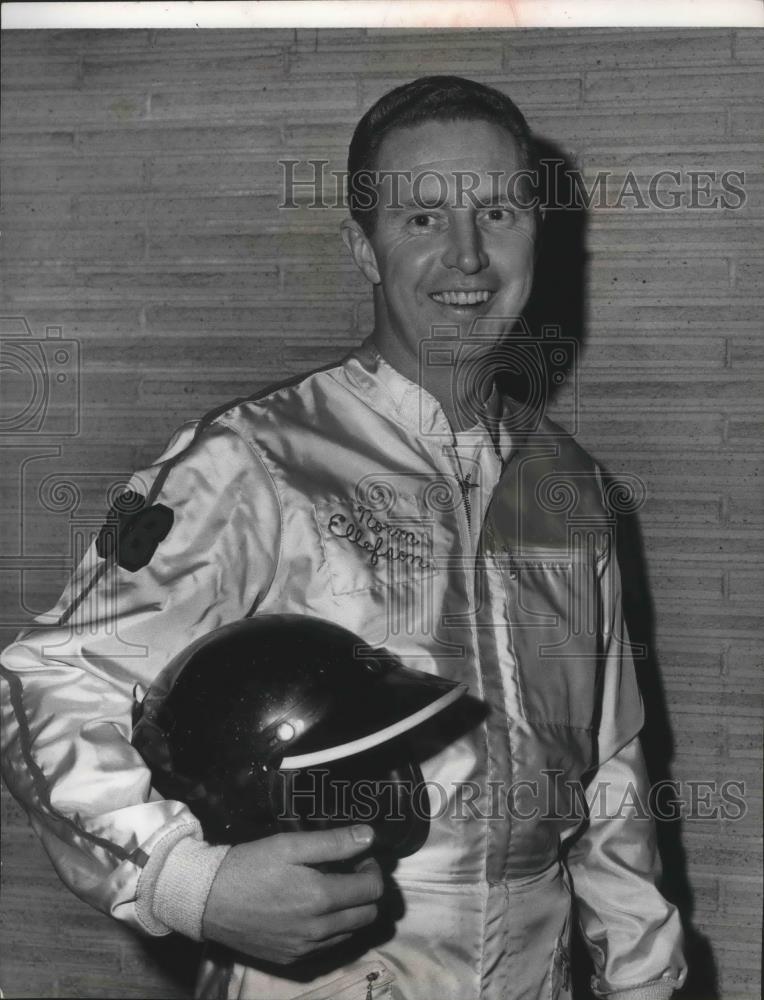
(371, 979)
(465, 485)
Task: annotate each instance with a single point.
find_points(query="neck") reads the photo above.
(451, 385)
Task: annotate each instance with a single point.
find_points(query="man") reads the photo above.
(279, 504)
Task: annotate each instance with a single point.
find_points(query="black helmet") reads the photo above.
(286, 722)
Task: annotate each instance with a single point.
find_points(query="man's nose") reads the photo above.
(465, 247)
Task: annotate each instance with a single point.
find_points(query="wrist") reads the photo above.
(176, 884)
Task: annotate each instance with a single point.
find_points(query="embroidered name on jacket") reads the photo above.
(381, 540)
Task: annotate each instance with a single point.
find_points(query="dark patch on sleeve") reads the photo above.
(133, 531)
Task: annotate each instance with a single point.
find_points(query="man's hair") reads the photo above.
(430, 98)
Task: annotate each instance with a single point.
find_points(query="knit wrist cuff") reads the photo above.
(175, 885)
(659, 989)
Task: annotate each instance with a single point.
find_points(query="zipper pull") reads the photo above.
(371, 978)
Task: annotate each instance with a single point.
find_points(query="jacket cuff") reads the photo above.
(174, 885)
(659, 989)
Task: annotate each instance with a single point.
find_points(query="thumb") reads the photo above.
(313, 847)
(369, 865)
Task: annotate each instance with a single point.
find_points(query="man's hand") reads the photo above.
(268, 903)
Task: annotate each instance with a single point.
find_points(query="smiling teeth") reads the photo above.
(461, 298)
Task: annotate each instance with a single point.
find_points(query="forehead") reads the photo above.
(461, 145)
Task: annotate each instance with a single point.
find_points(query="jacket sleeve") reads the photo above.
(68, 683)
(633, 934)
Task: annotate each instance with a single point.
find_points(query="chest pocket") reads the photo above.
(366, 549)
(547, 529)
(554, 611)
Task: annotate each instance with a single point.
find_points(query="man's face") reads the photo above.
(443, 257)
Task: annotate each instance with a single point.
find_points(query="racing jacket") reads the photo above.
(484, 555)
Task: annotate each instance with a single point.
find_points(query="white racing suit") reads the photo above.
(485, 556)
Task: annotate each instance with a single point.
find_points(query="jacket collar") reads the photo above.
(409, 404)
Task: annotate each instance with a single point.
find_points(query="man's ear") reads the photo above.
(357, 242)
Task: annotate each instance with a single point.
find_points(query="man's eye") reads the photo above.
(422, 221)
(500, 215)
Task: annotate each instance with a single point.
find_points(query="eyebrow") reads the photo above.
(421, 206)
(491, 201)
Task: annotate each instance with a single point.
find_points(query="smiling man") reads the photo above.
(396, 494)
(450, 246)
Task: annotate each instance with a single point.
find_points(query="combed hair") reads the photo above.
(430, 98)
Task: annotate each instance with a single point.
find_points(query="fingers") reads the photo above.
(269, 901)
(313, 847)
(345, 922)
(331, 942)
(344, 891)
(368, 864)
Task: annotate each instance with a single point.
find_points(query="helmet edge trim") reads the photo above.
(364, 743)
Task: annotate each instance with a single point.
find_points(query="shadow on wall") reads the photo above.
(658, 747)
(558, 294)
(558, 299)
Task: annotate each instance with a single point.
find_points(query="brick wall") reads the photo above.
(139, 211)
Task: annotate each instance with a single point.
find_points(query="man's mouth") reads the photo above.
(458, 298)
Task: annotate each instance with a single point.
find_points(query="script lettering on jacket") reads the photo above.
(379, 540)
